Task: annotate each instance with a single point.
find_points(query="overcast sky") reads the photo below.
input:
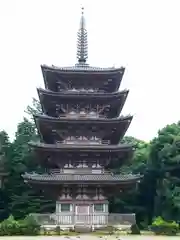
(142, 35)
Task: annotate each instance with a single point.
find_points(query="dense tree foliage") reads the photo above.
(158, 194)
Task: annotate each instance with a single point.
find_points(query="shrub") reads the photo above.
(30, 226)
(10, 227)
(135, 229)
(162, 227)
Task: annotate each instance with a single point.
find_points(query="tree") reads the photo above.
(140, 157)
(21, 161)
(23, 198)
(125, 202)
(35, 108)
(5, 152)
(164, 166)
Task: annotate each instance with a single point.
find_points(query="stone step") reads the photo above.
(83, 228)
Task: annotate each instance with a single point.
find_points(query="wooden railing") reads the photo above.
(85, 142)
(79, 171)
(93, 219)
(82, 90)
(84, 116)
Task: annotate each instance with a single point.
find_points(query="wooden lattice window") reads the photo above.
(98, 207)
(65, 207)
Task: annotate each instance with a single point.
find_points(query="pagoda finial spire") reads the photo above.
(82, 42)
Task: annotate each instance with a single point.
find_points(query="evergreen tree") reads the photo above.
(5, 156)
(164, 166)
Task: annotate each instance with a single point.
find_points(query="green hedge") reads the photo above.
(162, 227)
(11, 227)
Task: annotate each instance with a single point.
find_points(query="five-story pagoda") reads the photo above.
(80, 132)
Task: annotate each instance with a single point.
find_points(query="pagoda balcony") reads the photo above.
(81, 90)
(74, 115)
(84, 142)
(79, 170)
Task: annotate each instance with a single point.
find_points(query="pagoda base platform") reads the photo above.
(85, 222)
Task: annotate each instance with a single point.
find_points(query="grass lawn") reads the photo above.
(87, 237)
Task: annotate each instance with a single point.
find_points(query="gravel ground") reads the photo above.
(87, 237)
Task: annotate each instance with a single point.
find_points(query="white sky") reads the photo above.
(142, 35)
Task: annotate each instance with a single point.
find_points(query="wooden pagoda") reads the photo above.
(81, 129)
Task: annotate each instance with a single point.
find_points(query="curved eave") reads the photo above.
(52, 120)
(65, 94)
(82, 69)
(82, 182)
(38, 146)
(51, 179)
